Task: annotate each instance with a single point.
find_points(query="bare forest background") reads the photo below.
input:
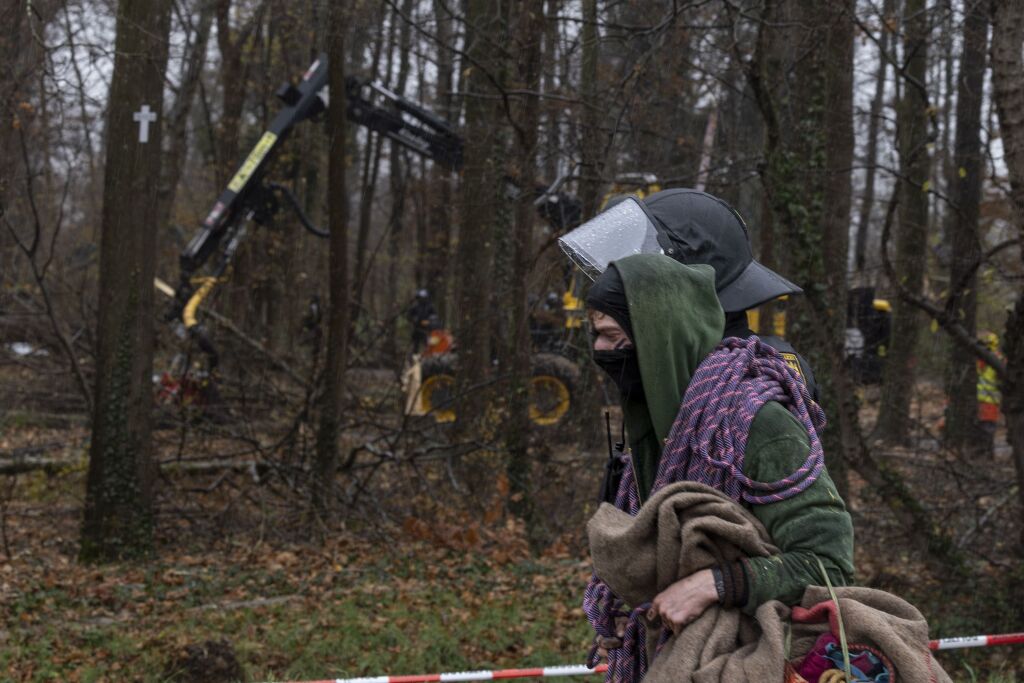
(868, 144)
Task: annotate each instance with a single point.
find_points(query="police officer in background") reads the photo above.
(692, 227)
(422, 316)
(989, 396)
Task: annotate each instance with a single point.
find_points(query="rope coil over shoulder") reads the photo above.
(707, 444)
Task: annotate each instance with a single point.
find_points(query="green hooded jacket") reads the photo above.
(677, 321)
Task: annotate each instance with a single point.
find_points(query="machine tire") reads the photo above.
(437, 386)
(552, 384)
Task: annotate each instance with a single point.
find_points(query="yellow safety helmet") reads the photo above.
(991, 340)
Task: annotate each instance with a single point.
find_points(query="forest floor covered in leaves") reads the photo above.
(423, 600)
(432, 586)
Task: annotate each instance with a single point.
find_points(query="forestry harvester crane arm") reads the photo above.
(249, 197)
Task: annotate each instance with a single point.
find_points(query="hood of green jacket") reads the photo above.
(677, 321)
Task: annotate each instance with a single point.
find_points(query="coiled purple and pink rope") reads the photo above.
(707, 444)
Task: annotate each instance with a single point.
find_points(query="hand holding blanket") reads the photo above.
(688, 526)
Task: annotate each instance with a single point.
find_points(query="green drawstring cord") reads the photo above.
(839, 618)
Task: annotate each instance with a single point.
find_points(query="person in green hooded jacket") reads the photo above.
(653, 320)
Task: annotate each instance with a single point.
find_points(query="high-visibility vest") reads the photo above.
(989, 397)
(988, 384)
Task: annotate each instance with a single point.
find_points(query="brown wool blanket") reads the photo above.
(687, 527)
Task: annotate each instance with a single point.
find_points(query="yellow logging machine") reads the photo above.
(250, 198)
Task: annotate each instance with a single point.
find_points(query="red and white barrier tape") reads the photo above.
(458, 676)
(977, 641)
(581, 670)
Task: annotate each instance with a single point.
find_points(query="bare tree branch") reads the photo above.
(39, 274)
(956, 330)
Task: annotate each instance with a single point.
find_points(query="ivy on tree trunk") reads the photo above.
(118, 520)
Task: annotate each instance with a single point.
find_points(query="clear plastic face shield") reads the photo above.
(621, 231)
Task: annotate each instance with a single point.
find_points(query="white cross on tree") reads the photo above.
(144, 117)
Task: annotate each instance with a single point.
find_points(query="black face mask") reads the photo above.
(623, 366)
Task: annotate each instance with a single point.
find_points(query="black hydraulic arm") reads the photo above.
(302, 102)
(404, 122)
(245, 189)
(249, 196)
(409, 125)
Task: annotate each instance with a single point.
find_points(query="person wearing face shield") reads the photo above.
(731, 415)
(691, 227)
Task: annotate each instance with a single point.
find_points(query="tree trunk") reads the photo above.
(942, 162)
(807, 181)
(966, 178)
(398, 188)
(371, 170)
(247, 269)
(1008, 87)
(871, 156)
(912, 120)
(118, 521)
(805, 196)
(434, 253)
(551, 155)
(529, 31)
(23, 60)
(483, 202)
(233, 75)
(830, 305)
(94, 192)
(330, 400)
(592, 167)
(591, 399)
(285, 59)
(177, 117)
